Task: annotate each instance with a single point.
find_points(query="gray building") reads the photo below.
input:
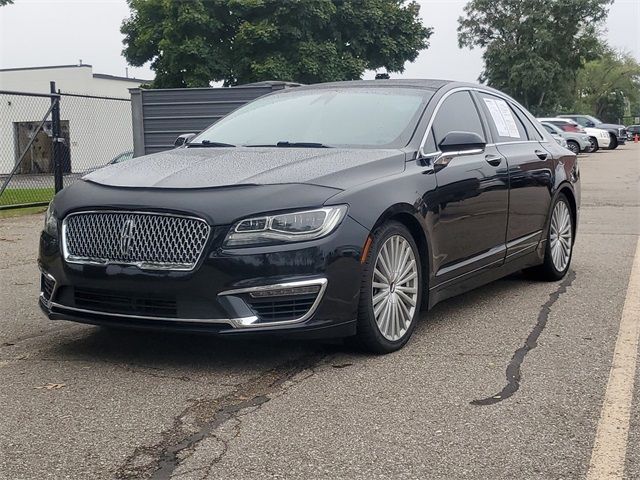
(160, 116)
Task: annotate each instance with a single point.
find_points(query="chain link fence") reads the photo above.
(62, 134)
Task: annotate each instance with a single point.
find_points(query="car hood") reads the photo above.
(218, 167)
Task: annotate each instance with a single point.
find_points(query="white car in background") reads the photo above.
(599, 138)
(602, 136)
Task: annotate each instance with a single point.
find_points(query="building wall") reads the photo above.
(99, 129)
(70, 79)
(160, 116)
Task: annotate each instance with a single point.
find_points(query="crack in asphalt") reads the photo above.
(513, 371)
(179, 442)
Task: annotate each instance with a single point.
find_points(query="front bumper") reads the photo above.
(317, 283)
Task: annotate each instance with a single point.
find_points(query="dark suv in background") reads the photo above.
(617, 132)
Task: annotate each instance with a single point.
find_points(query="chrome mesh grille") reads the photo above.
(146, 239)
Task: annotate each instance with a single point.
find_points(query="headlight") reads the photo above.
(50, 222)
(286, 227)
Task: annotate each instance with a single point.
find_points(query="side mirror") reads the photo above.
(183, 139)
(462, 143)
(590, 124)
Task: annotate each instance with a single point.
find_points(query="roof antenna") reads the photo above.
(80, 62)
(126, 71)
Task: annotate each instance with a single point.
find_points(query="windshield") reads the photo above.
(594, 119)
(349, 117)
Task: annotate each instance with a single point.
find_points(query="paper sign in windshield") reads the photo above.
(503, 118)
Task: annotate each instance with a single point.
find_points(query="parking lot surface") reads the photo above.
(504, 382)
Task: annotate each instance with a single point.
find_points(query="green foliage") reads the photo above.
(5, 2)
(534, 48)
(192, 43)
(608, 85)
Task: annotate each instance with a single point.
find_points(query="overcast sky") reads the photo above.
(61, 32)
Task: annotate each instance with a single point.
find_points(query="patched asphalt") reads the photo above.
(83, 402)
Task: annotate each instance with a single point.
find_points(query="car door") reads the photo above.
(530, 172)
(471, 197)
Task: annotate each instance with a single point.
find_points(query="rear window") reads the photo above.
(505, 123)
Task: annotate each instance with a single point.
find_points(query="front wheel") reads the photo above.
(391, 290)
(559, 245)
(594, 144)
(614, 142)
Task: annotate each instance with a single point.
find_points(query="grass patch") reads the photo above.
(18, 212)
(18, 196)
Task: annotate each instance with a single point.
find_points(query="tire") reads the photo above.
(614, 142)
(557, 253)
(573, 146)
(386, 318)
(594, 144)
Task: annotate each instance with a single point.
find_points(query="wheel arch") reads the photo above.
(407, 216)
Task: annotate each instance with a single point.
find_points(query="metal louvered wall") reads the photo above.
(160, 116)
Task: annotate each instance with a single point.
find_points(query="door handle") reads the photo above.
(494, 160)
(541, 155)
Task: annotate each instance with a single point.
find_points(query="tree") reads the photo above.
(534, 48)
(5, 2)
(192, 43)
(607, 85)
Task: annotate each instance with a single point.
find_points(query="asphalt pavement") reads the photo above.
(505, 382)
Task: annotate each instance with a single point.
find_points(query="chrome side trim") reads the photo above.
(249, 322)
(142, 265)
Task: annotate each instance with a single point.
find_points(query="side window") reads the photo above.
(580, 120)
(457, 113)
(548, 128)
(507, 127)
(532, 132)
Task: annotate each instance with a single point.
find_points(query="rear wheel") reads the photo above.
(594, 144)
(559, 245)
(614, 142)
(573, 146)
(391, 290)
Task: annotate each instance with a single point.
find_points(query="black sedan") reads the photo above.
(333, 210)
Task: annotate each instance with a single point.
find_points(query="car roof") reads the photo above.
(432, 85)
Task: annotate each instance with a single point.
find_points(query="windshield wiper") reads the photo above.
(294, 145)
(209, 143)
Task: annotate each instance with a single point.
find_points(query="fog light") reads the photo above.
(285, 292)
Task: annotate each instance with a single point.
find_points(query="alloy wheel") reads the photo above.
(395, 288)
(560, 236)
(574, 147)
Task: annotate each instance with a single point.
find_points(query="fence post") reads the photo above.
(57, 138)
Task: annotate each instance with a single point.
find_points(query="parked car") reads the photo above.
(618, 133)
(576, 142)
(331, 210)
(123, 157)
(599, 138)
(556, 133)
(632, 131)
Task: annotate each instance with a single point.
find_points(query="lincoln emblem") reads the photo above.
(126, 236)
